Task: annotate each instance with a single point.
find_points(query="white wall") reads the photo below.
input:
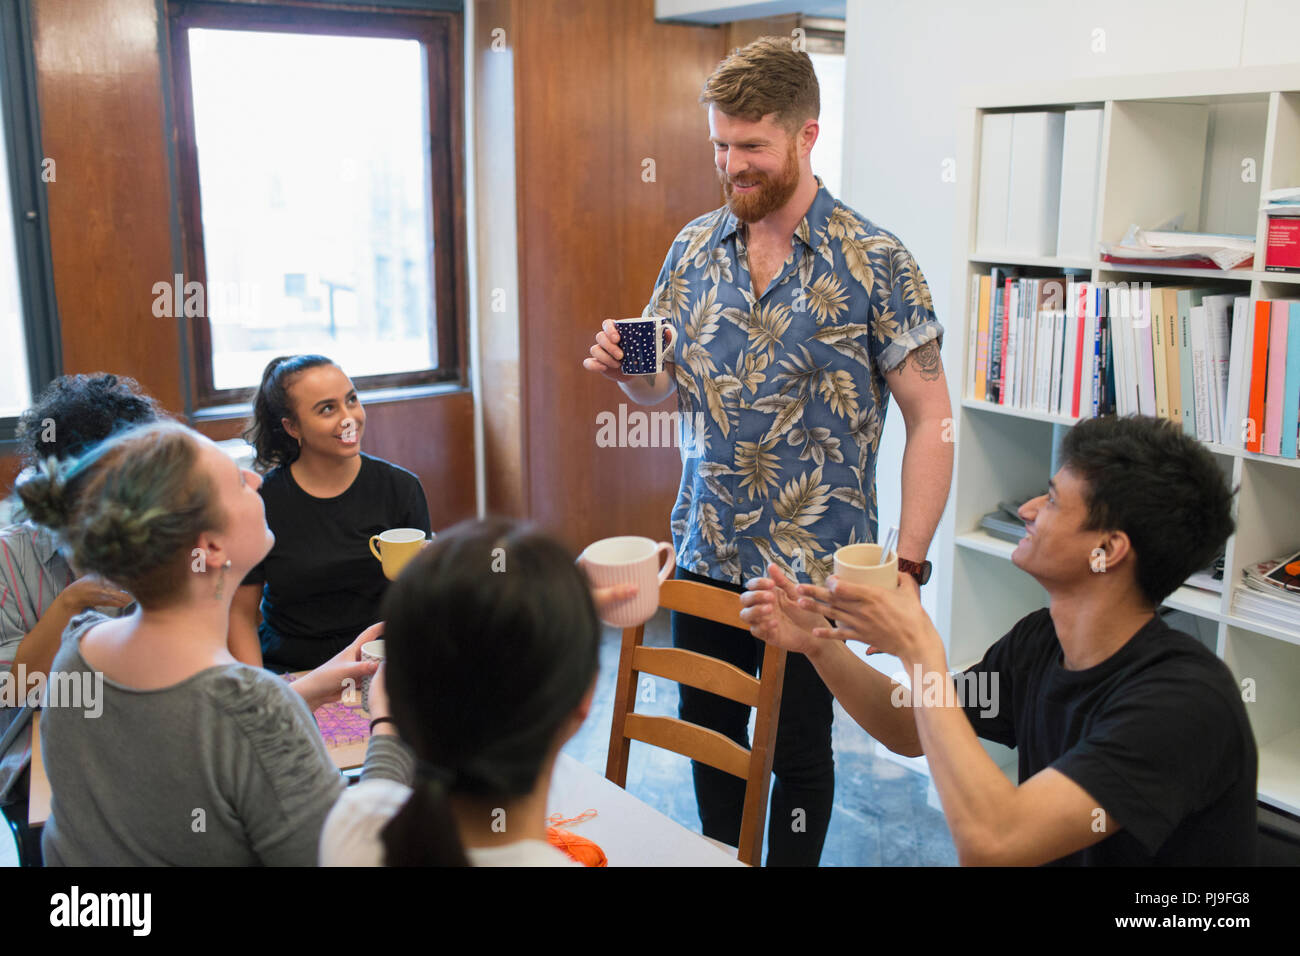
(906, 63)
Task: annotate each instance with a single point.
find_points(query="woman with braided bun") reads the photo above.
(184, 755)
(488, 672)
(324, 499)
(39, 590)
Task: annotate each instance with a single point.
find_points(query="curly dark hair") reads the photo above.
(1158, 485)
(265, 430)
(76, 412)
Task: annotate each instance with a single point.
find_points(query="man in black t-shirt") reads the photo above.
(1133, 740)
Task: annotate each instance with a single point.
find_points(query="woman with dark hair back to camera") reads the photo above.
(320, 584)
(185, 756)
(40, 592)
(487, 674)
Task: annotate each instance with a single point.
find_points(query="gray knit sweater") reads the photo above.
(226, 768)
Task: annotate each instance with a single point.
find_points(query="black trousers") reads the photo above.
(803, 764)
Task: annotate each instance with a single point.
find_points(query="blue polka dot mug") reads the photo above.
(646, 343)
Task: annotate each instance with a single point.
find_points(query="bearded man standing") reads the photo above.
(796, 320)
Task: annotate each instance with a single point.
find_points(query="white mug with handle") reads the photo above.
(629, 559)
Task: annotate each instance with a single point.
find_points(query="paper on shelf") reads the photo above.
(1224, 251)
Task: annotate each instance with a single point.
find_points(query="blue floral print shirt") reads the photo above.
(781, 398)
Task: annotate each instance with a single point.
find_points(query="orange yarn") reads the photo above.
(577, 847)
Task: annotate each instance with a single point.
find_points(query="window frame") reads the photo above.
(20, 114)
(439, 30)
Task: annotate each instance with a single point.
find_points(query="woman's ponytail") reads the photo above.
(423, 833)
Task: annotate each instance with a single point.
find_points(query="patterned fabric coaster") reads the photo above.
(340, 723)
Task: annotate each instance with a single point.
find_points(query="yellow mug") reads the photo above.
(396, 548)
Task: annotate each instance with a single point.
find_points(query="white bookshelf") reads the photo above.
(1213, 119)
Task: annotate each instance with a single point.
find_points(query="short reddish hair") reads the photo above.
(767, 76)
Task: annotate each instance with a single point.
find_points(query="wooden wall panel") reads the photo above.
(601, 88)
(9, 467)
(99, 82)
(434, 438)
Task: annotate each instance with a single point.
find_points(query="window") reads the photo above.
(28, 327)
(319, 163)
(824, 40)
(15, 381)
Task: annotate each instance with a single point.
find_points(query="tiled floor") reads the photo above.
(881, 817)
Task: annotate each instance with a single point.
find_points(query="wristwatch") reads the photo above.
(919, 570)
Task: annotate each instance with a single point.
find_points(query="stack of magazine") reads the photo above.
(1270, 593)
(1005, 522)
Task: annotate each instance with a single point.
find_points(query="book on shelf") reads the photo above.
(1291, 394)
(1272, 394)
(1224, 368)
(1020, 170)
(1269, 592)
(1252, 374)
(1236, 397)
(1005, 522)
(1080, 165)
(1034, 187)
(1173, 367)
(995, 181)
(1282, 235)
(1174, 249)
(1042, 344)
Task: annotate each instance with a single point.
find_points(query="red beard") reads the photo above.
(769, 196)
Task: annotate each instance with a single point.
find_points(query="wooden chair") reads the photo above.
(754, 766)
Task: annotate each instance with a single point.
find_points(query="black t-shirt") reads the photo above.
(1157, 734)
(323, 586)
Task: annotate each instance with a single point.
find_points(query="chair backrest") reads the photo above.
(754, 765)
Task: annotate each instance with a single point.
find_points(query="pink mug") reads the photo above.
(628, 560)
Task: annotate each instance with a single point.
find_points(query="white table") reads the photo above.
(630, 832)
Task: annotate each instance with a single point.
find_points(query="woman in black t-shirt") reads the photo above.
(320, 585)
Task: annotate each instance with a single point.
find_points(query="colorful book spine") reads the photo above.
(1011, 343)
(1238, 391)
(995, 334)
(1071, 330)
(1003, 330)
(1275, 387)
(1142, 341)
(1186, 374)
(1291, 402)
(1082, 341)
(1157, 332)
(1254, 426)
(982, 342)
(972, 335)
(1098, 351)
(1173, 364)
(1200, 373)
